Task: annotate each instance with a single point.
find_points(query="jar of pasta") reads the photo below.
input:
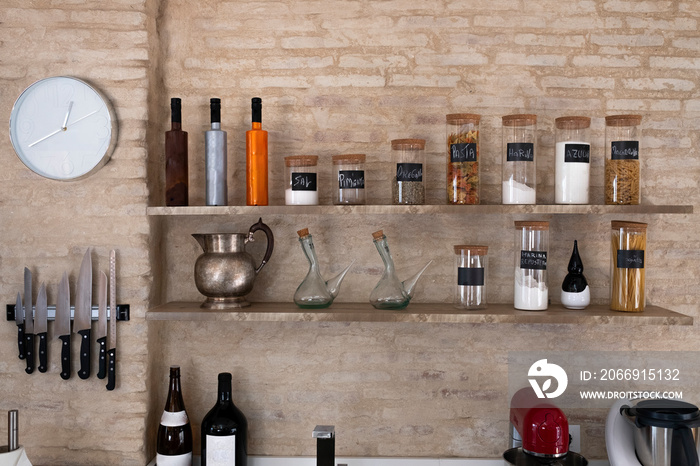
(629, 243)
(408, 185)
(470, 283)
(622, 172)
(463, 185)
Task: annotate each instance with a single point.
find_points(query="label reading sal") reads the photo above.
(221, 451)
(409, 172)
(624, 150)
(303, 181)
(520, 152)
(351, 179)
(470, 276)
(465, 152)
(630, 259)
(577, 153)
(533, 260)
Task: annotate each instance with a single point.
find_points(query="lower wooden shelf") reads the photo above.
(417, 312)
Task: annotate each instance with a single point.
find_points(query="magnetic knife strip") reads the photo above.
(123, 312)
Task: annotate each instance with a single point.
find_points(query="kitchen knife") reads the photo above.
(28, 322)
(112, 341)
(40, 327)
(19, 320)
(102, 324)
(62, 325)
(83, 312)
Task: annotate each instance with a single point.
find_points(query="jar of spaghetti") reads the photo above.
(518, 167)
(408, 157)
(531, 246)
(629, 243)
(301, 173)
(622, 172)
(463, 185)
(349, 179)
(470, 283)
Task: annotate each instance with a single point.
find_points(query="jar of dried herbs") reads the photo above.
(408, 156)
(463, 158)
(622, 172)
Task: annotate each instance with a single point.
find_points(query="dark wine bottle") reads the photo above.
(174, 442)
(224, 430)
(176, 175)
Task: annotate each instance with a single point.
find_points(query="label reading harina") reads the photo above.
(177, 419)
(176, 460)
(221, 451)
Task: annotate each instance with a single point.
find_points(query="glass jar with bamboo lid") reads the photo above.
(349, 179)
(627, 280)
(622, 171)
(408, 177)
(301, 180)
(463, 185)
(518, 167)
(470, 282)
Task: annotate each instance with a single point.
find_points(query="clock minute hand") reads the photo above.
(80, 119)
(46, 137)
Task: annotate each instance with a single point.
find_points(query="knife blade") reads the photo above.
(112, 340)
(40, 325)
(83, 306)
(62, 325)
(28, 322)
(101, 333)
(19, 320)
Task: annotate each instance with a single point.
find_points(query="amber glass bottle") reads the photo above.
(174, 440)
(176, 177)
(256, 158)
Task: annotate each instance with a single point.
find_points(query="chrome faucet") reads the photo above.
(325, 445)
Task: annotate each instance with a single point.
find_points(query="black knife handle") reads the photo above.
(111, 368)
(102, 372)
(42, 352)
(65, 356)
(20, 340)
(84, 371)
(29, 352)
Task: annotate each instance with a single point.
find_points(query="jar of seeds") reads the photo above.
(463, 158)
(408, 157)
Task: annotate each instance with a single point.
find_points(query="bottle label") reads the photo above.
(303, 181)
(351, 179)
(520, 152)
(533, 260)
(624, 150)
(577, 153)
(177, 419)
(630, 259)
(470, 276)
(465, 152)
(174, 460)
(221, 451)
(409, 172)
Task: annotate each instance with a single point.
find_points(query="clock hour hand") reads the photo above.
(65, 120)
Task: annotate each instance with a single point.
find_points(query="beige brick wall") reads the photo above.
(336, 77)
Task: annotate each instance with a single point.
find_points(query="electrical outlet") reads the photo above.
(575, 432)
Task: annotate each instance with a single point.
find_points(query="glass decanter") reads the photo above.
(314, 292)
(390, 293)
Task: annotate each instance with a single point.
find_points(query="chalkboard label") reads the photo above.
(470, 276)
(303, 181)
(520, 152)
(624, 150)
(533, 260)
(630, 259)
(409, 172)
(351, 179)
(465, 152)
(577, 153)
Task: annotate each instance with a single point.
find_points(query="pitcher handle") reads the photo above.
(270, 241)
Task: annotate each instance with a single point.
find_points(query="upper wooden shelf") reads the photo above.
(422, 209)
(418, 312)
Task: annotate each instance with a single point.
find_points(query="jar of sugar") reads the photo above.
(572, 160)
(301, 174)
(518, 167)
(349, 180)
(470, 283)
(531, 247)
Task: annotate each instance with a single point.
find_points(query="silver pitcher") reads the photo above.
(225, 273)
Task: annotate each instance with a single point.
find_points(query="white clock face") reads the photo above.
(63, 129)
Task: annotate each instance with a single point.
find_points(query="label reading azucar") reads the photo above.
(630, 259)
(577, 153)
(533, 260)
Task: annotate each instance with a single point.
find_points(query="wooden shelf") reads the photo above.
(417, 312)
(421, 209)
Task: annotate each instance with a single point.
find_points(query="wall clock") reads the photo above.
(62, 128)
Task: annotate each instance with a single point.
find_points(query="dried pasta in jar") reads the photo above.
(627, 280)
(463, 185)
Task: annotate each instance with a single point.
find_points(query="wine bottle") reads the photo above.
(224, 430)
(256, 158)
(176, 176)
(174, 442)
(215, 158)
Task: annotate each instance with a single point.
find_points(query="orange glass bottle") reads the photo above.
(256, 158)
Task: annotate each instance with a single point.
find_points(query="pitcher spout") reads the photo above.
(333, 285)
(409, 285)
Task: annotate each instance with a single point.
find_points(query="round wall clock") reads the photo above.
(62, 128)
